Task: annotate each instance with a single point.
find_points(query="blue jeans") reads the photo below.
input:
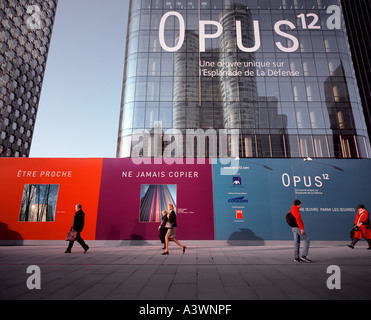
(297, 236)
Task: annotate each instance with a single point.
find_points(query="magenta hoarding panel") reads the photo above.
(132, 197)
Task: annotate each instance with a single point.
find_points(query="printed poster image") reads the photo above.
(39, 202)
(155, 198)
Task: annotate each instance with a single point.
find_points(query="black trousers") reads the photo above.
(355, 240)
(79, 240)
(162, 234)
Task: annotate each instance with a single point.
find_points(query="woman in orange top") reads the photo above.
(361, 227)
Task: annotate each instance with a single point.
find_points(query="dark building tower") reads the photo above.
(25, 33)
(357, 15)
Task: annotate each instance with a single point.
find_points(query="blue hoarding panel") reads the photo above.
(253, 196)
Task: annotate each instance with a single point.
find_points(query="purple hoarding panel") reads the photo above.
(132, 197)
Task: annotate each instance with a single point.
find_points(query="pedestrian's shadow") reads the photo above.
(9, 237)
(138, 234)
(245, 237)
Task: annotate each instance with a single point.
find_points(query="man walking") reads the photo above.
(78, 225)
(299, 233)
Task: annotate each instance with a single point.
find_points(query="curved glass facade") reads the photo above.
(274, 78)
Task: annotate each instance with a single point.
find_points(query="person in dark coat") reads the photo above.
(78, 225)
(162, 227)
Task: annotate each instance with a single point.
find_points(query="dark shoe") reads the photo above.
(306, 259)
(86, 249)
(350, 246)
(184, 247)
(369, 248)
(164, 248)
(67, 251)
(165, 253)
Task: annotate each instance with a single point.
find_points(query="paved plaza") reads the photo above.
(209, 270)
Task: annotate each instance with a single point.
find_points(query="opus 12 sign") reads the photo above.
(309, 21)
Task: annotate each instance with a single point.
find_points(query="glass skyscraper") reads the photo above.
(270, 78)
(357, 15)
(25, 32)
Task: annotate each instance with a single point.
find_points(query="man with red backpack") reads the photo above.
(297, 226)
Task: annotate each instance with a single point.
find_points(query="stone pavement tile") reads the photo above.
(158, 280)
(154, 292)
(46, 291)
(293, 290)
(127, 289)
(69, 292)
(187, 268)
(204, 257)
(183, 291)
(268, 292)
(210, 289)
(240, 293)
(213, 296)
(232, 280)
(129, 286)
(207, 273)
(12, 292)
(167, 269)
(10, 275)
(97, 291)
(116, 277)
(185, 277)
(119, 295)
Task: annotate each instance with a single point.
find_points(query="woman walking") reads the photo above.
(361, 227)
(171, 232)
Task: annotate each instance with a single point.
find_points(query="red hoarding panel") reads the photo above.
(38, 197)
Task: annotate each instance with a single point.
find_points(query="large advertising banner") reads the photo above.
(133, 197)
(252, 197)
(38, 197)
(244, 199)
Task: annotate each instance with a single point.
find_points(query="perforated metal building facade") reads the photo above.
(25, 34)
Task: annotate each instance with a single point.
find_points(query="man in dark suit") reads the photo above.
(78, 225)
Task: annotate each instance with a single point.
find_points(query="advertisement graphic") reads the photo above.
(255, 209)
(133, 195)
(246, 199)
(39, 202)
(154, 199)
(39, 197)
